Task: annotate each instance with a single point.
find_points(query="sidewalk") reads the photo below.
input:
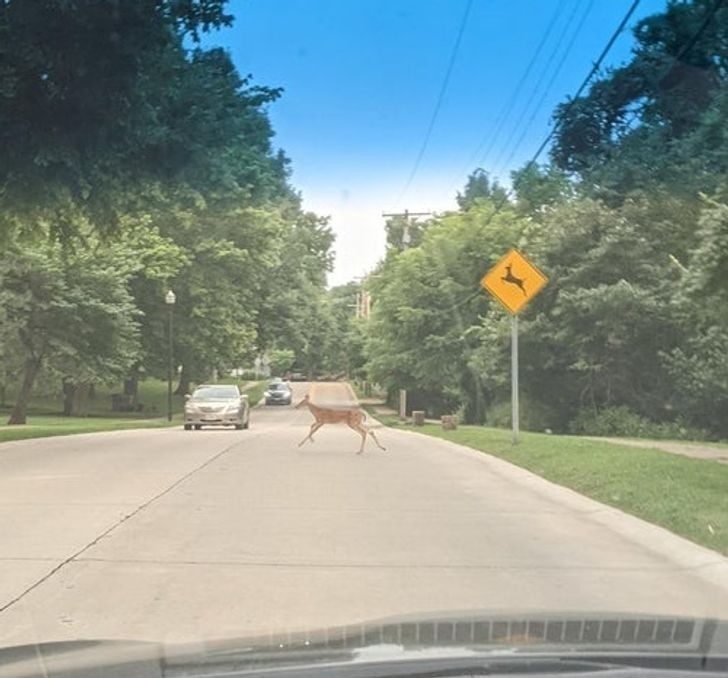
(694, 450)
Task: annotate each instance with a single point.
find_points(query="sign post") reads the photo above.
(514, 379)
(514, 281)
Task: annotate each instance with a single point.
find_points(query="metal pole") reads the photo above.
(514, 378)
(169, 368)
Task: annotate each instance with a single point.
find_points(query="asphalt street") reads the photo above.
(174, 536)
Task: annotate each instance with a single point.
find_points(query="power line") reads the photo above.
(440, 99)
(555, 74)
(508, 107)
(536, 90)
(595, 68)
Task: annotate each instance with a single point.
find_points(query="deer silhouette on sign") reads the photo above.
(513, 280)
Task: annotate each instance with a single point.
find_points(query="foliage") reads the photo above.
(479, 186)
(421, 336)
(136, 162)
(70, 311)
(281, 361)
(658, 119)
(621, 421)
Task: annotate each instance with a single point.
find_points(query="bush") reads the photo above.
(621, 421)
(533, 416)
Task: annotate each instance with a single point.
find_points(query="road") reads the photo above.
(172, 536)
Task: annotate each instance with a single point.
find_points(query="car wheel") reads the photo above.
(239, 427)
(188, 427)
(198, 427)
(246, 425)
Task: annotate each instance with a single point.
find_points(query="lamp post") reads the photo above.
(169, 299)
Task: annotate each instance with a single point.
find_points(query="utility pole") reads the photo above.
(406, 239)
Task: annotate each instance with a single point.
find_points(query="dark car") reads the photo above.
(278, 393)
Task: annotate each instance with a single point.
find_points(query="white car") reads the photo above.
(216, 405)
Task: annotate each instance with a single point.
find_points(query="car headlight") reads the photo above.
(267, 394)
(233, 407)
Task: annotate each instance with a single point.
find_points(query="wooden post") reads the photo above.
(449, 422)
(418, 417)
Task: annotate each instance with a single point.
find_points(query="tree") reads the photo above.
(67, 310)
(403, 231)
(420, 336)
(656, 119)
(479, 186)
(73, 158)
(294, 311)
(539, 188)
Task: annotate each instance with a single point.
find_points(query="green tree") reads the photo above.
(294, 309)
(480, 186)
(421, 336)
(69, 311)
(658, 119)
(73, 158)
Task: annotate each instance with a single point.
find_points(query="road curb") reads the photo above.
(709, 565)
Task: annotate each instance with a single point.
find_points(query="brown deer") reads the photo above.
(354, 419)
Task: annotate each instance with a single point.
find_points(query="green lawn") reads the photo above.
(152, 395)
(255, 391)
(42, 426)
(687, 496)
(44, 419)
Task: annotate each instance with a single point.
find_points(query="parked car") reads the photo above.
(216, 405)
(278, 393)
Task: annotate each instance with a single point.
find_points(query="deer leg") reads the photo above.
(361, 431)
(379, 445)
(314, 427)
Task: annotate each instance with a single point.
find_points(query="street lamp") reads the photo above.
(169, 299)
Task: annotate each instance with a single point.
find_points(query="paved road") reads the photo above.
(171, 536)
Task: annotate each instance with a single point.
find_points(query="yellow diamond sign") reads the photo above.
(514, 281)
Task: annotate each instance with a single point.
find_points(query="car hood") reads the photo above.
(438, 643)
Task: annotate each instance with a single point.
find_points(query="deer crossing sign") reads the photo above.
(514, 281)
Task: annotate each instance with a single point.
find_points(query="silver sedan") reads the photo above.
(216, 405)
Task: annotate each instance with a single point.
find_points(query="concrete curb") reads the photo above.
(709, 565)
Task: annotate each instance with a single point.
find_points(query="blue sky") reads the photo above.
(362, 79)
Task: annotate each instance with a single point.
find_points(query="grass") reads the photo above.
(686, 496)
(255, 391)
(44, 426)
(44, 419)
(152, 395)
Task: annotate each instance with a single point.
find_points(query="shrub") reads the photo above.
(532, 416)
(621, 421)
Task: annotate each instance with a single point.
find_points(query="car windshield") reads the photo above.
(216, 393)
(318, 314)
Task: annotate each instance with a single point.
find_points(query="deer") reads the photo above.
(354, 419)
(510, 278)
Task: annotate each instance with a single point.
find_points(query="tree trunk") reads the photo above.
(68, 390)
(19, 413)
(80, 398)
(131, 388)
(184, 382)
